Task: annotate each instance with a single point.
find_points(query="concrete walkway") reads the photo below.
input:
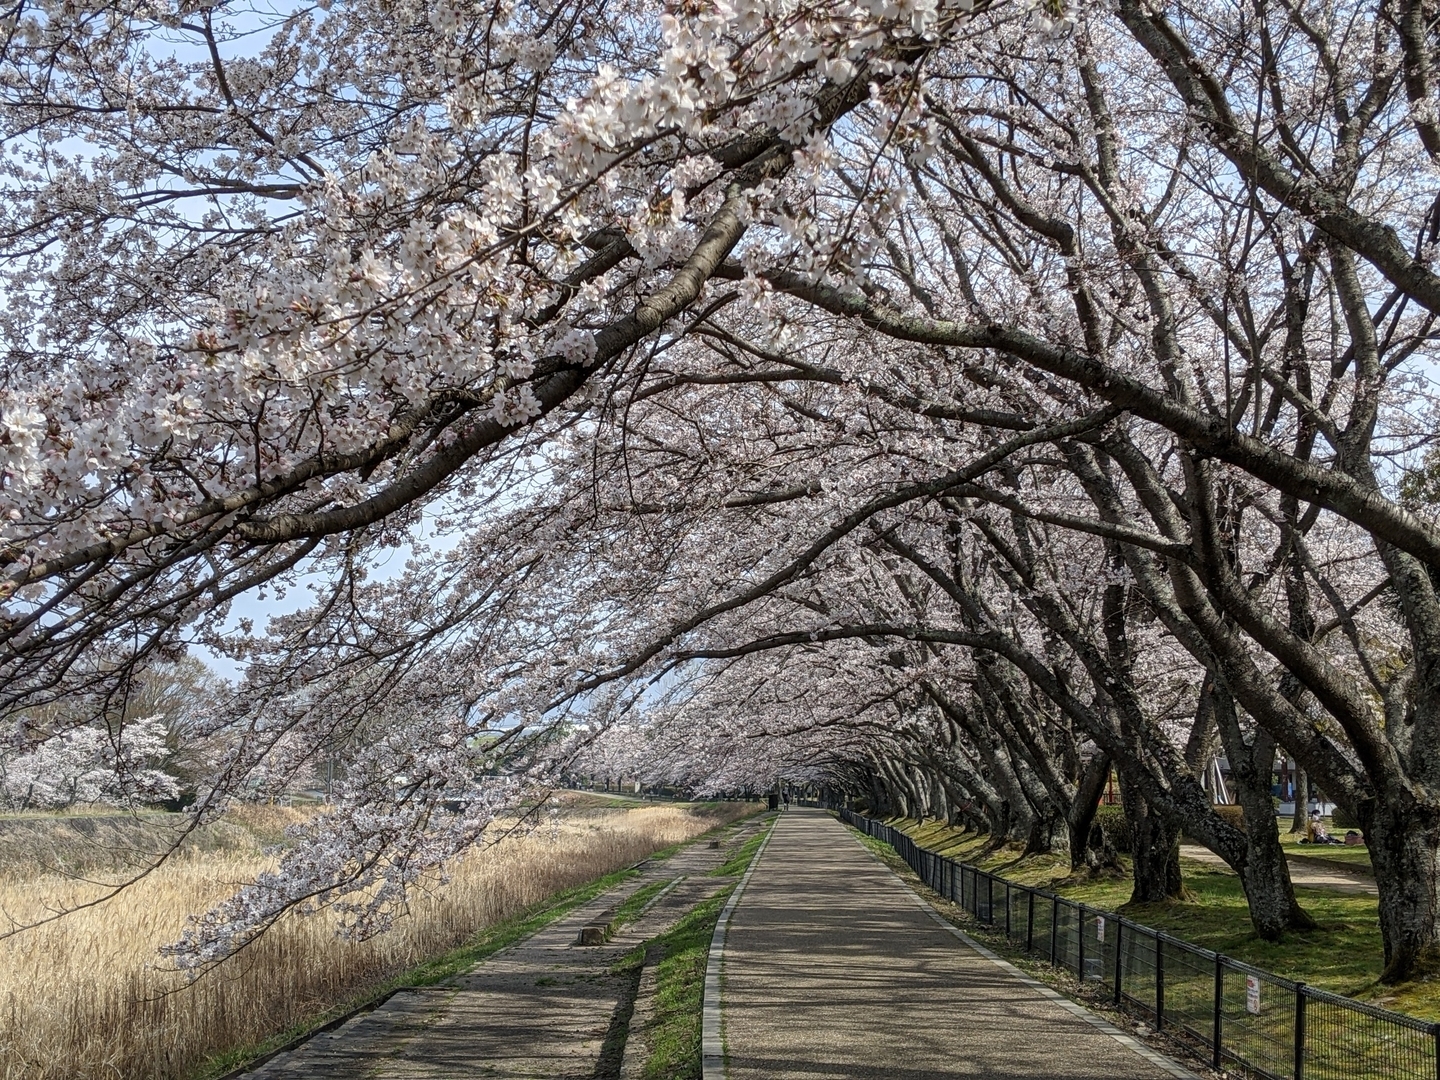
(1310, 873)
(832, 970)
(542, 1009)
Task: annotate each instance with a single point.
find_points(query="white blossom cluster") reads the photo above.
(87, 766)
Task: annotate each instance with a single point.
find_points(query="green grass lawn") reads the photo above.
(740, 858)
(630, 910)
(1353, 858)
(672, 1037)
(1344, 954)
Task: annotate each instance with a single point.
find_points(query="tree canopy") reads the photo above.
(949, 402)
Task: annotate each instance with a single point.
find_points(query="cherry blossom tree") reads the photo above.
(88, 766)
(960, 401)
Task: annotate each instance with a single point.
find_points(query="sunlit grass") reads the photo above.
(1344, 954)
(1354, 857)
(673, 1036)
(740, 858)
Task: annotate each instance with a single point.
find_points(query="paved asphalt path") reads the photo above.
(832, 970)
(542, 1009)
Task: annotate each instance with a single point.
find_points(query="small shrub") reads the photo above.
(1342, 819)
(1231, 814)
(1111, 820)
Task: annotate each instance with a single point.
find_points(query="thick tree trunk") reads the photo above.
(1014, 820)
(1090, 849)
(893, 802)
(1006, 807)
(962, 803)
(1268, 890)
(918, 791)
(971, 819)
(1049, 834)
(939, 799)
(1019, 814)
(1265, 874)
(1049, 829)
(1155, 848)
(1302, 800)
(1404, 845)
(879, 795)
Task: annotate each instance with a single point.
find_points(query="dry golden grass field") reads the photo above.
(88, 996)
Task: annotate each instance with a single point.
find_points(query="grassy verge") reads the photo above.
(741, 856)
(679, 957)
(630, 910)
(673, 1034)
(1344, 954)
(1351, 858)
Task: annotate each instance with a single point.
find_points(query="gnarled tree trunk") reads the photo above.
(1155, 849)
(1404, 843)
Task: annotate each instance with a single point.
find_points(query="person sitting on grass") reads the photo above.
(1317, 833)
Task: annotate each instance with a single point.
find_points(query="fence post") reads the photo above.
(1030, 922)
(990, 899)
(1007, 911)
(1159, 983)
(1436, 1030)
(1080, 942)
(1299, 1031)
(1054, 925)
(1219, 1003)
(1119, 960)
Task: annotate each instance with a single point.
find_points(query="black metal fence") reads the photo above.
(1229, 1012)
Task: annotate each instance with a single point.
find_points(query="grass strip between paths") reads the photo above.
(672, 1036)
(735, 865)
(630, 910)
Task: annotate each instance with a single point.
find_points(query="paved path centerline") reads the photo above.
(834, 968)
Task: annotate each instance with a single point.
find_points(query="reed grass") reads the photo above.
(88, 996)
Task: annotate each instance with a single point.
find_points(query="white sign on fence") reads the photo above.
(1252, 995)
(1100, 928)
